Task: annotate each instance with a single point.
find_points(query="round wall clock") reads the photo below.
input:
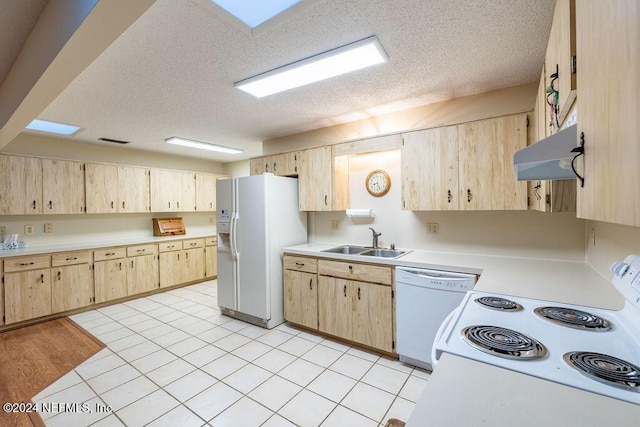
(378, 183)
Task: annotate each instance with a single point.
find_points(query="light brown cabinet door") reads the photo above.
(211, 261)
(301, 298)
(315, 180)
(372, 322)
(486, 177)
(62, 187)
(170, 268)
(193, 267)
(187, 199)
(163, 190)
(27, 295)
(608, 42)
(133, 189)
(257, 166)
(335, 307)
(142, 274)
(206, 192)
(430, 169)
(560, 51)
(101, 188)
(71, 287)
(20, 185)
(110, 279)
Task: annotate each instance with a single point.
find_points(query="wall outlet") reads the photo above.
(433, 228)
(335, 224)
(28, 229)
(48, 227)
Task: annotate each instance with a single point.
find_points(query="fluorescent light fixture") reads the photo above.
(201, 145)
(52, 127)
(351, 57)
(254, 13)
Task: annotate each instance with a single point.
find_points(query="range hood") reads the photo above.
(549, 158)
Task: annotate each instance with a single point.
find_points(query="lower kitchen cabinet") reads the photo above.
(27, 295)
(71, 281)
(211, 257)
(142, 269)
(301, 298)
(110, 279)
(357, 311)
(193, 267)
(170, 263)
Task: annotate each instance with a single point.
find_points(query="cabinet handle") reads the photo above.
(131, 263)
(311, 284)
(177, 205)
(50, 204)
(178, 256)
(266, 167)
(449, 196)
(186, 255)
(274, 167)
(110, 254)
(42, 278)
(120, 266)
(358, 292)
(59, 274)
(325, 200)
(211, 205)
(344, 290)
(24, 264)
(71, 259)
(34, 204)
(122, 205)
(300, 264)
(469, 195)
(169, 205)
(192, 244)
(141, 250)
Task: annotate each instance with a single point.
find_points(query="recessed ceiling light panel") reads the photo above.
(351, 57)
(53, 127)
(202, 145)
(254, 13)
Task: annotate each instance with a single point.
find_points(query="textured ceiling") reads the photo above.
(172, 72)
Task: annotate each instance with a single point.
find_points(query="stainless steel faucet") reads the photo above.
(375, 237)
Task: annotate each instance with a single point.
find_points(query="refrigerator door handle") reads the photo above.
(233, 236)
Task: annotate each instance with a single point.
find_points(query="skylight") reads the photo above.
(52, 127)
(254, 13)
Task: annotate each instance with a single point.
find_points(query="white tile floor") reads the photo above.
(173, 360)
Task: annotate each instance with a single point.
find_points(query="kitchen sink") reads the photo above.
(347, 249)
(384, 253)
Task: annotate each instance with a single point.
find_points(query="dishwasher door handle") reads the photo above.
(443, 326)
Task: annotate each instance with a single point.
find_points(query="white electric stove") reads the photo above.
(592, 349)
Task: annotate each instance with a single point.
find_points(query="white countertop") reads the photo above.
(76, 246)
(462, 392)
(571, 282)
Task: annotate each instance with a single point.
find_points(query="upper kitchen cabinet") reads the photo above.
(548, 196)
(206, 191)
(173, 191)
(285, 164)
(608, 42)
(486, 176)
(116, 189)
(430, 169)
(560, 61)
(323, 180)
(20, 185)
(62, 187)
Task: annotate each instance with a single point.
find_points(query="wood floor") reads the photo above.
(33, 357)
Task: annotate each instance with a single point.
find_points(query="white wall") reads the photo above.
(512, 233)
(237, 169)
(607, 243)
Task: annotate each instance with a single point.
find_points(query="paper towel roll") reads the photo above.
(360, 213)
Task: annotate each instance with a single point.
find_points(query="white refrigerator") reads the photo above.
(256, 217)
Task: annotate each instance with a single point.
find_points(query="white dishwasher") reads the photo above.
(424, 298)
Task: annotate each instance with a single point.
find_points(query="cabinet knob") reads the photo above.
(111, 204)
(42, 278)
(59, 275)
(122, 205)
(469, 195)
(358, 293)
(344, 290)
(50, 204)
(120, 266)
(350, 267)
(34, 204)
(449, 196)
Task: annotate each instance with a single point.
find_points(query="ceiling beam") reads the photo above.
(68, 36)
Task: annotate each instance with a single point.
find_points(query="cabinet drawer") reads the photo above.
(71, 258)
(27, 263)
(354, 271)
(309, 265)
(170, 246)
(109, 253)
(193, 243)
(142, 250)
(211, 241)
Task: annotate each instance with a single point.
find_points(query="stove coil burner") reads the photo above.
(498, 303)
(573, 318)
(605, 369)
(503, 342)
